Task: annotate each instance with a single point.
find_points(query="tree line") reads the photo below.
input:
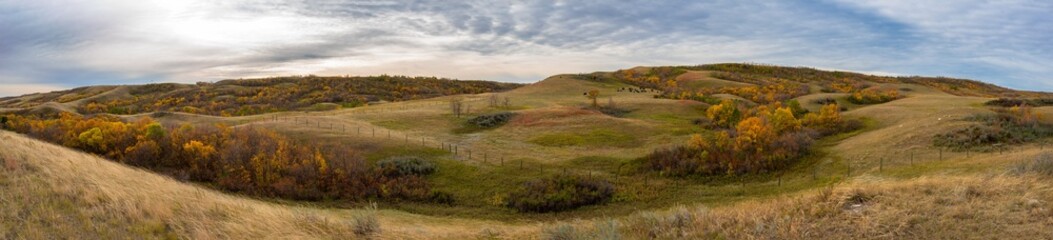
(257, 96)
(249, 160)
(749, 140)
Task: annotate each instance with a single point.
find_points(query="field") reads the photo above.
(884, 180)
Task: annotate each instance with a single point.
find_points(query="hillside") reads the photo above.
(252, 96)
(871, 169)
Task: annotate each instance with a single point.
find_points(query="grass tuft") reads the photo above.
(562, 231)
(366, 223)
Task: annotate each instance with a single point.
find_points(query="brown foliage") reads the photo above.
(256, 96)
(768, 137)
(249, 160)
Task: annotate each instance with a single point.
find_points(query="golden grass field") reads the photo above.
(884, 182)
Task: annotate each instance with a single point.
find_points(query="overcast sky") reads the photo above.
(49, 45)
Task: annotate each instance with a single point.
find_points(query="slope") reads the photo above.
(52, 192)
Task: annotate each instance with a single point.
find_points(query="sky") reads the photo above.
(50, 45)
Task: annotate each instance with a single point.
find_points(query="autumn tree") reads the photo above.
(783, 120)
(593, 95)
(726, 114)
(1023, 115)
(92, 140)
(754, 136)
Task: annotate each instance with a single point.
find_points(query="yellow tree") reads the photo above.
(725, 114)
(754, 136)
(593, 95)
(92, 139)
(830, 116)
(782, 120)
(198, 154)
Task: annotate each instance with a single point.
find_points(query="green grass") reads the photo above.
(395, 124)
(599, 137)
(558, 140)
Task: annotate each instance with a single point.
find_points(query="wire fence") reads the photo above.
(846, 167)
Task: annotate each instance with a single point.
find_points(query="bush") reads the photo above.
(441, 197)
(405, 166)
(366, 224)
(562, 231)
(825, 101)
(717, 154)
(1012, 102)
(994, 131)
(665, 226)
(871, 96)
(491, 120)
(678, 161)
(559, 193)
(613, 111)
(1041, 165)
(249, 160)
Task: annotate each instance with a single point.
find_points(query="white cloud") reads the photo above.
(16, 89)
(77, 43)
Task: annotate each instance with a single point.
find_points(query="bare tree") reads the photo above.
(508, 102)
(457, 106)
(494, 100)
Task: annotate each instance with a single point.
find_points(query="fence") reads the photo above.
(848, 166)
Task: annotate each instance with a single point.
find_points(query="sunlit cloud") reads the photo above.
(73, 43)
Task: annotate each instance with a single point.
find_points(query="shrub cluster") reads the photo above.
(748, 140)
(1041, 165)
(256, 96)
(492, 120)
(248, 160)
(871, 96)
(995, 131)
(1012, 102)
(825, 101)
(559, 193)
(613, 111)
(407, 166)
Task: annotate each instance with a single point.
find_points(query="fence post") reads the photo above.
(374, 132)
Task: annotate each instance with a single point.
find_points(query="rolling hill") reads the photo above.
(884, 180)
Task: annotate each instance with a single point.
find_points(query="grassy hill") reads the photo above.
(252, 96)
(885, 180)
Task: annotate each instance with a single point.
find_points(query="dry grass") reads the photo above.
(993, 207)
(50, 192)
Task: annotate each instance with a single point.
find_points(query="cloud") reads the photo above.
(71, 43)
(17, 88)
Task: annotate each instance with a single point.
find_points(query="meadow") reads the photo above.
(883, 177)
